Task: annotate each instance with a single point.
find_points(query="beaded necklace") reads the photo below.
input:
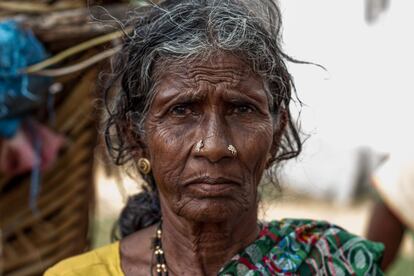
(161, 265)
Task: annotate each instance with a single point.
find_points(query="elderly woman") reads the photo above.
(203, 111)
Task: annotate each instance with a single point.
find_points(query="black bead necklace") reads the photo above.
(161, 265)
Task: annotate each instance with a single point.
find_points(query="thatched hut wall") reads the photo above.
(34, 240)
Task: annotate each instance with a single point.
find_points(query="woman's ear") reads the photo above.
(279, 129)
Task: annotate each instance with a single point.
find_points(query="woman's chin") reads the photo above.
(212, 210)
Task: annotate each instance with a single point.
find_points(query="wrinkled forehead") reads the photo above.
(215, 70)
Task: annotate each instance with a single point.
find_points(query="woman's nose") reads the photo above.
(215, 140)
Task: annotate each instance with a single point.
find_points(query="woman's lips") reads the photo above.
(212, 187)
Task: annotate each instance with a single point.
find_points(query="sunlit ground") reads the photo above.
(354, 218)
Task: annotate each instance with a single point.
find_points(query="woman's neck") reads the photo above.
(194, 248)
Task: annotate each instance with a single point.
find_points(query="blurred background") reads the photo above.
(58, 189)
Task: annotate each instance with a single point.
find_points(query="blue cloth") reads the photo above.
(18, 49)
(9, 127)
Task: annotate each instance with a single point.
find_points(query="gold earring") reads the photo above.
(233, 150)
(144, 165)
(199, 145)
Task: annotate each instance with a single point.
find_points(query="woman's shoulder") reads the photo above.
(102, 261)
(308, 247)
(136, 260)
(328, 248)
(316, 231)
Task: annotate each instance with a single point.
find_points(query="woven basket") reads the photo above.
(32, 242)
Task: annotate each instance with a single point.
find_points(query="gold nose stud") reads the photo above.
(199, 146)
(233, 150)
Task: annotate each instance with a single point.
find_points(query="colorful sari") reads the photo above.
(306, 247)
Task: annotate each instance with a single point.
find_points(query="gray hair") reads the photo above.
(181, 31)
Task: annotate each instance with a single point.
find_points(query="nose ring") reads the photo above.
(199, 145)
(233, 150)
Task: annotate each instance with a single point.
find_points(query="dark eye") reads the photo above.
(180, 110)
(243, 109)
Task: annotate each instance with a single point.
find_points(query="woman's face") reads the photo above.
(219, 102)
